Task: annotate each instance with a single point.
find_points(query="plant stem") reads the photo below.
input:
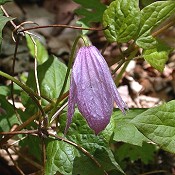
(119, 76)
(23, 86)
(33, 95)
(62, 26)
(27, 122)
(68, 72)
(12, 87)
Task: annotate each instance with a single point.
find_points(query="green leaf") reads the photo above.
(51, 76)
(108, 131)
(90, 12)
(42, 54)
(104, 156)
(2, 2)
(124, 130)
(133, 152)
(4, 90)
(106, 159)
(152, 16)
(3, 21)
(33, 145)
(7, 115)
(158, 124)
(80, 133)
(157, 57)
(146, 2)
(60, 157)
(122, 18)
(88, 167)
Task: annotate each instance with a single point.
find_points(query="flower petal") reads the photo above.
(117, 98)
(71, 104)
(94, 99)
(110, 83)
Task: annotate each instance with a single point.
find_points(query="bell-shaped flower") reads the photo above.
(92, 89)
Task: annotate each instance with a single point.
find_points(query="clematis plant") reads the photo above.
(92, 89)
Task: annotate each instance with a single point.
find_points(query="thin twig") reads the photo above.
(12, 84)
(44, 153)
(154, 172)
(35, 66)
(77, 146)
(165, 27)
(118, 66)
(7, 15)
(30, 92)
(35, 164)
(58, 112)
(15, 163)
(19, 132)
(27, 122)
(62, 26)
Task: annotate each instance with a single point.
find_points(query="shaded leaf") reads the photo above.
(4, 1)
(122, 19)
(89, 12)
(158, 124)
(7, 115)
(89, 167)
(33, 144)
(133, 152)
(3, 21)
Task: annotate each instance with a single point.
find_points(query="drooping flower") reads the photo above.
(92, 89)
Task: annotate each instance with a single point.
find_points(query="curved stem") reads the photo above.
(26, 123)
(23, 86)
(68, 70)
(63, 26)
(119, 76)
(33, 95)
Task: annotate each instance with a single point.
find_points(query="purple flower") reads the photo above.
(92, 89)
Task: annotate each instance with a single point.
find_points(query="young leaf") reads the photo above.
(7, 115)
(3, 21)
(158, 124)
(41, 53)
(60, 157)
(124, 130)
(122, 18)
(4, 1)
(152, 16)
(157, 57)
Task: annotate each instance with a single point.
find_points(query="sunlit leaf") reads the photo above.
(158, 124)
(122, 19)
(157, 57)
(152, 16)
